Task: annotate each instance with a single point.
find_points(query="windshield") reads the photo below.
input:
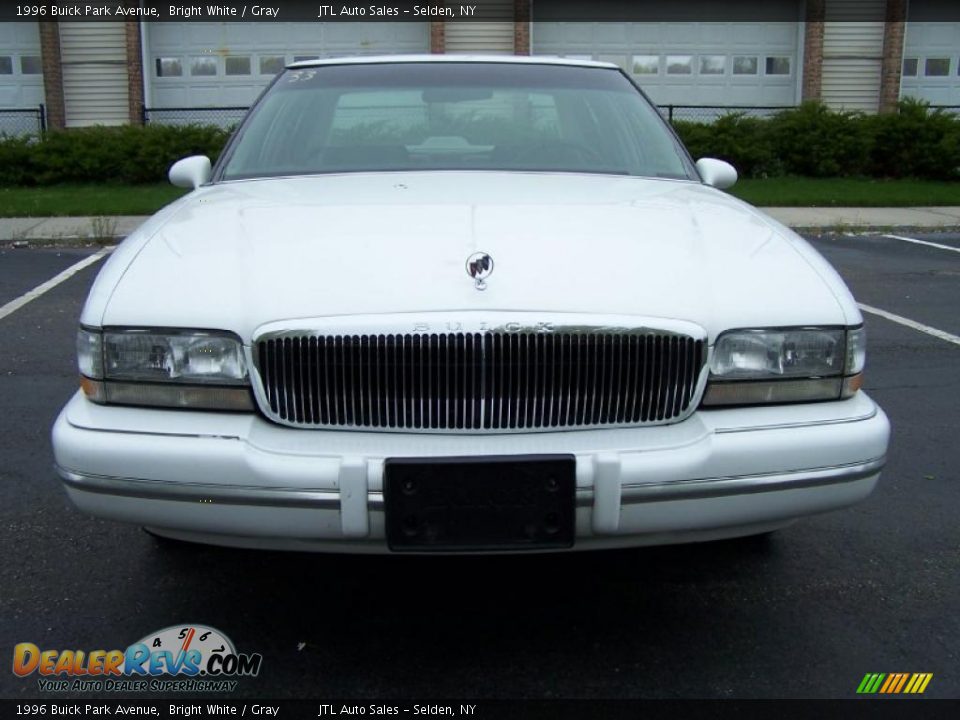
(453, 116)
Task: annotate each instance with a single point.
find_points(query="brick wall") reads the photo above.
(521, 27)
(813, 50)
(52, 74)
(437, 38)
(892, 55)
(134, 72)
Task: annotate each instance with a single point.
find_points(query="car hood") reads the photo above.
(238, 255)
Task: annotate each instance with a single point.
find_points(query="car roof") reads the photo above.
(491, 59)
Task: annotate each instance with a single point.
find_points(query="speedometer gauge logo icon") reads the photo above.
(199, 643)
(192, 650)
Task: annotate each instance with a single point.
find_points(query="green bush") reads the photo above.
(743, 141)
(15, 163)
(813, 141)
(125, 154)
(698, 138)
(809, 140)
(915, 142)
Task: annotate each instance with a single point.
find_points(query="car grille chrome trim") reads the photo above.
(486, 377)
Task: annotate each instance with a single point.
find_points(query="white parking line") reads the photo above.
(14, 305)
(923, 242)
(913, 324)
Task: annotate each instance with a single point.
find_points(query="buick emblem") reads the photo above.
(480, 267)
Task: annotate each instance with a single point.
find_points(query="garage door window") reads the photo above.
(744, 65)
(713, 64)
(271, 64)
(31, 65)
(6, 65)
(646, 64)
(679, 64)
(169, 67)
(203, 66)
(937, 67)
(910, 67)
(238, 65)
(778, 65)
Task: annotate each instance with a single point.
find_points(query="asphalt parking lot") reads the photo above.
(804, 613)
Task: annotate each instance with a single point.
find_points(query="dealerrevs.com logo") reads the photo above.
(180, 658)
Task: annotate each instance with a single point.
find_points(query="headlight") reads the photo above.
(764, 354)
(750, 367)
(90, 353)
(191, 369)
(182, 357)
(856, 350)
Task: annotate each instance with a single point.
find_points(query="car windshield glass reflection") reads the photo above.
(454, 116)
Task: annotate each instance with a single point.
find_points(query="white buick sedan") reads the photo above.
(455, 304)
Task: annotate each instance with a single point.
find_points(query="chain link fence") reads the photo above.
(711, 113)
(31, 120)
(224, 117)
(16, 122)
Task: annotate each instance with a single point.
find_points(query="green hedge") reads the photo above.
(809, 140)
(126, 154)
(815, 142)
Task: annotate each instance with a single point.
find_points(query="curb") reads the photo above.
(67, 231)
(79, 241)
(873, 229)
(63, 241)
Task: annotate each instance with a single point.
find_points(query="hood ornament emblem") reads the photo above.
(480, 267)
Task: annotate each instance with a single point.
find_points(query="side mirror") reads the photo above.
(191, 172)
(717, 173)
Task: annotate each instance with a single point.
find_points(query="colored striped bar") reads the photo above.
(918, 683)
(871, 683)
(894, 683)
(903, 679)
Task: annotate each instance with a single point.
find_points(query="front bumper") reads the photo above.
(240, 480)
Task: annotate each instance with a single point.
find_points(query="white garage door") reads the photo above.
(931, 62)
(692, 63)
(21, 81)
(228, 64)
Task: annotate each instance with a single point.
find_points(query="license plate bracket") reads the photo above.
(490, 503)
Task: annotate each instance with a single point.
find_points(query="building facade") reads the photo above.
(851, 54)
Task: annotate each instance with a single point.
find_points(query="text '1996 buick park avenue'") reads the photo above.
(464, 304)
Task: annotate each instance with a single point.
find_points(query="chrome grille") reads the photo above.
(478, 381)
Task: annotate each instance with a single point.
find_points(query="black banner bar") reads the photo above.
(267, 11)
(471, 11)
(338, 709)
